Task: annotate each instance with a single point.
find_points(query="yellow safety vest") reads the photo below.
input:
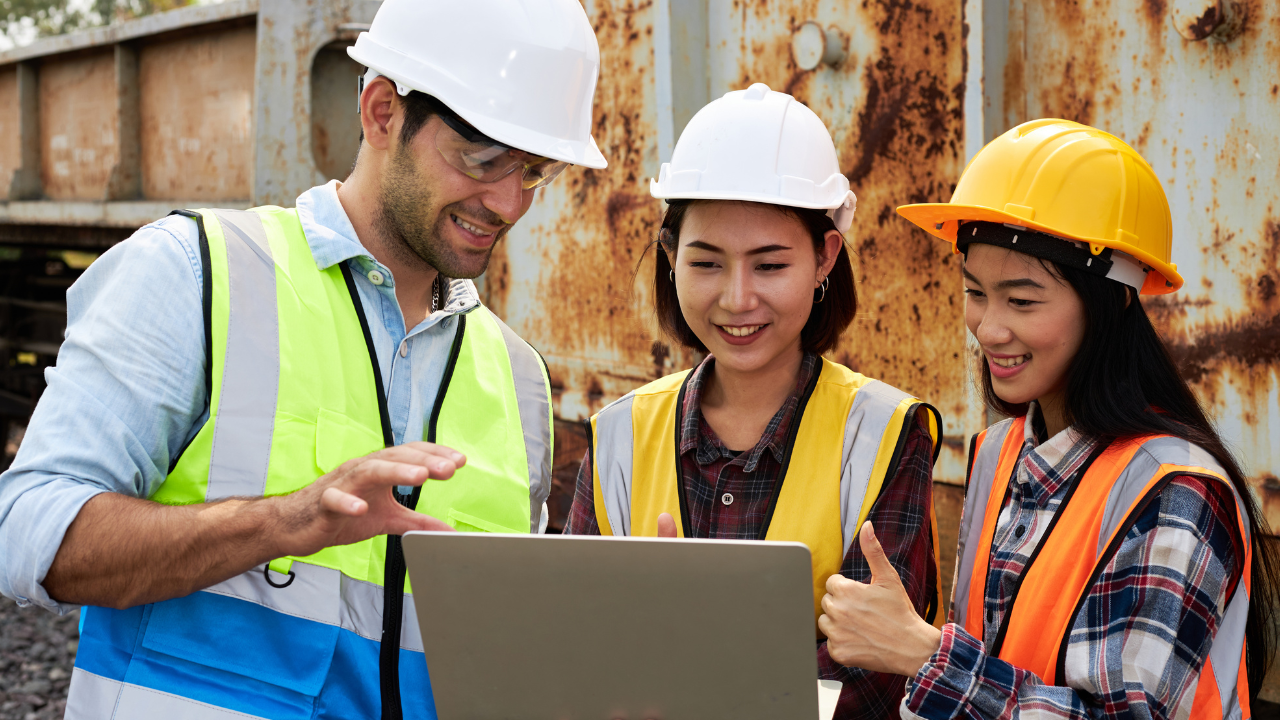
(847, 438)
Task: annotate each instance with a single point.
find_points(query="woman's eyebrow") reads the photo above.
(1005, 284)
(768, 249)
(701, 245)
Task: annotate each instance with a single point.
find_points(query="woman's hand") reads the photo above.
(874, 626)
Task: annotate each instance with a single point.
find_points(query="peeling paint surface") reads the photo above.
(894, 108)
(78, 125)
(564, 279)
(1203, 113)
(10, 147)
(197, 116)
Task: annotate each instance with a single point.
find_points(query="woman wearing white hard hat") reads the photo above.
(773, 442)
(1112, 559)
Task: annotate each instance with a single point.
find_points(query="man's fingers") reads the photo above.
(666, 526)
(342, 503)
(882, 572)
(440, 451)
(378, 472)
(417, 521)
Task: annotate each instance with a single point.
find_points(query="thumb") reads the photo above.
(666, 526)
(882, 572)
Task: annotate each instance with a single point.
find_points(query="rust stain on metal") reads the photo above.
(592, 306)
(197, 116)
(10, 148)
(78, 125)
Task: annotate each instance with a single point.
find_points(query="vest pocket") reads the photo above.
(245, 638)
(470, 523)
(339, 438)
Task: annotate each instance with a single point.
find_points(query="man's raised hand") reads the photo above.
(356, 500)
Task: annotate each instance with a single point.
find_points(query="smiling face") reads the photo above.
(745, 276)
(444, 217)
(1029, 323)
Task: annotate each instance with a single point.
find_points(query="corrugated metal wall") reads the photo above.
(566, 276)
(1194, 85)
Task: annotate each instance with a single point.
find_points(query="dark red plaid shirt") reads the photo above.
(728, 495)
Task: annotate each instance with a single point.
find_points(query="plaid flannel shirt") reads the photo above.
(728, 495)
(1144, 631)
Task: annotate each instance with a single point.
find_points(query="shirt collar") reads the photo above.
(333, 239)
(694, 434)
(1045, 466)
(328, 229)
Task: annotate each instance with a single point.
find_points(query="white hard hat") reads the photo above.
(522, 72)
(760, 146)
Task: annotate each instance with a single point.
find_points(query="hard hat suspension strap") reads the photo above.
(1108, 263)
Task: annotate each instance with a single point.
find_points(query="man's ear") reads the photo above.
(378, 118)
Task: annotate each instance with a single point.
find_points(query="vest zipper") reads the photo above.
(394, 567)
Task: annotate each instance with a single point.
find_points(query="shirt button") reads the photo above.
(1017, 532)
(376, 277)
(727, 499)
(404, 348)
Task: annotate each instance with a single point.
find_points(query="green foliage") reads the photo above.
(19, 19)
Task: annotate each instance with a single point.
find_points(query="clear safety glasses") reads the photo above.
(482, 158)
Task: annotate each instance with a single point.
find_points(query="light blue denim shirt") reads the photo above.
(127, 393)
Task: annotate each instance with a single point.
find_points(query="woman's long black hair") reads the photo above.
(1121, 384)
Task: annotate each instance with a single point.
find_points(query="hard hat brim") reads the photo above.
(942, 220)
(573, 152)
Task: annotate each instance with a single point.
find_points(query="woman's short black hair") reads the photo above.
(828, 319)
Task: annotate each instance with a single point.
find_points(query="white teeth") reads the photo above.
(468, 226)
(741, 331)
(1010, 362)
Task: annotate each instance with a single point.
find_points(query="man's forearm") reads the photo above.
(121, 551)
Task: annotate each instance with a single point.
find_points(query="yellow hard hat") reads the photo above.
(1069, 180)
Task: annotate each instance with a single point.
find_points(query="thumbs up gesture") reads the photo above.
(874, 625)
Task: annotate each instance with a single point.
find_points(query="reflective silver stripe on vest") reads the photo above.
(535, 417)
(1228, 641)
(251, 370)
(982, 477)
(869, 415)
(91, 695)
(310, 596)
(614, 448)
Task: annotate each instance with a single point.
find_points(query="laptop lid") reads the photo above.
(594, 628)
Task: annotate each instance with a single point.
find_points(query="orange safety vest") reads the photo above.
(1082, 538)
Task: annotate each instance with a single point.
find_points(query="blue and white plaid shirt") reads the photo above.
(1144, 631)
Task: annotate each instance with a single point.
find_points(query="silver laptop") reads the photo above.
(588, 628)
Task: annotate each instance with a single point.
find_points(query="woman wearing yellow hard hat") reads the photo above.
(1111, 559)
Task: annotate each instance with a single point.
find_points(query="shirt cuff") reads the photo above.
(31, 535)
(943, 688)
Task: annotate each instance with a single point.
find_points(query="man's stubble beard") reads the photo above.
(405, 207)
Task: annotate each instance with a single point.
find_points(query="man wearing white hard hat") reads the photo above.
(251, 406)
(765, 439)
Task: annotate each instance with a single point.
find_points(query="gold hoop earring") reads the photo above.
(672, 274)
(823, 288)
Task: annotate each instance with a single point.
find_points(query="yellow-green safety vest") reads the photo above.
(295, 391)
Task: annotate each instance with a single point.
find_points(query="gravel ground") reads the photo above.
(37, 649)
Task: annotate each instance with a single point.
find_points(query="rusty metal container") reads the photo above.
(252, 101)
